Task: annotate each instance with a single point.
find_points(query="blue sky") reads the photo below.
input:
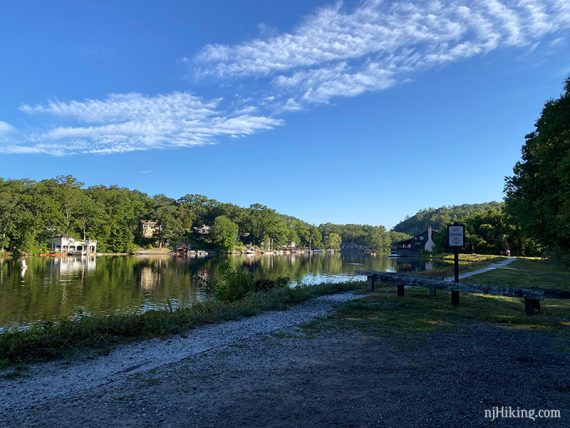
(348, 112)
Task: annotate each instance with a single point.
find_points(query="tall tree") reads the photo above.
(333, 241)
(538, 193)
(224, 233)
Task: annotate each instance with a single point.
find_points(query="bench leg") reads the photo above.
(401, 290)
(370, 285)
(531, 306)
(455, 298)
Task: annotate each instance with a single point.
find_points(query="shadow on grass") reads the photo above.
(527, 273)
(385, 314)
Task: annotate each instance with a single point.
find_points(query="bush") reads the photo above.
(270, 284)
(235, 285)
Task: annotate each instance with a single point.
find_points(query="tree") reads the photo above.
(167, 214)
(224, 233)
(333, 241)
(538, 192)
(440, 217)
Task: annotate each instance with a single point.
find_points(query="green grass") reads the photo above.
(523, 273)
(386, 314)
(467, 262)
(98, 335)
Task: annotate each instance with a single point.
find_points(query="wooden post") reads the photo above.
(456, 264)
(455, 294)
(370, 283)
(455, 298)
(529, 306)
(401, 290)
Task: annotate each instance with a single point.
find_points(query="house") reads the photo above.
(413, 246)
(67, 245)
(149, 228)
(203, 230)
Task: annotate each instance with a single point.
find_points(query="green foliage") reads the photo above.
(237, 284)
(224, 233)
(333, 241)
(372, 237)
(49, 341)
(234, 285)
(32, 212)
(538, 193)
(439, 218)
(489, 229)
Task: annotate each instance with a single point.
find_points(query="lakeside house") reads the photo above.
(150, 228)
(67, 245)
(414, 246)
(203, 230)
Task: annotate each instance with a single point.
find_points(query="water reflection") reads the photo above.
(44, 288)
(68, 266)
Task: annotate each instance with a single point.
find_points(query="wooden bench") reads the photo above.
(532, 296)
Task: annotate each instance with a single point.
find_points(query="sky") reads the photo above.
(343, 112)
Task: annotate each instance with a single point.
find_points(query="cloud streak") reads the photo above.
(338, 51)
(134, 122)
(344, 52)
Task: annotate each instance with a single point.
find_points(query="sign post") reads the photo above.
(456, 240)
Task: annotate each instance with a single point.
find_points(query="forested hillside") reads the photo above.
(440, 217)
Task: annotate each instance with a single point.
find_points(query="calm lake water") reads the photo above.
(53, 288)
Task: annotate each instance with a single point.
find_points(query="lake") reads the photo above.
(51, 288)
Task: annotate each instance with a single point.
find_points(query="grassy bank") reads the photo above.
(527, 273)
(67, 338)
(467, 262)
(386, 314)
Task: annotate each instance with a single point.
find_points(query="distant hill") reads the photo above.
(440, 217)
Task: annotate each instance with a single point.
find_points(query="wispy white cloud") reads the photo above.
(5, 128)
(339, 51)
(132, 122)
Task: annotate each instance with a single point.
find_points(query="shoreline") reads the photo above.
(52, 379)
(67, 338)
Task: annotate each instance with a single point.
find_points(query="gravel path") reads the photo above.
(492, 266)
(58, 379)
(265, 371)
(333, 378)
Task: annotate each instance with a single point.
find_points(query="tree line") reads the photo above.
(31, 212)
(489, 228)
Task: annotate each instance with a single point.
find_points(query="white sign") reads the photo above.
(456, 236)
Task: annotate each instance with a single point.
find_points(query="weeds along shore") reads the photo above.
(99, 334)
